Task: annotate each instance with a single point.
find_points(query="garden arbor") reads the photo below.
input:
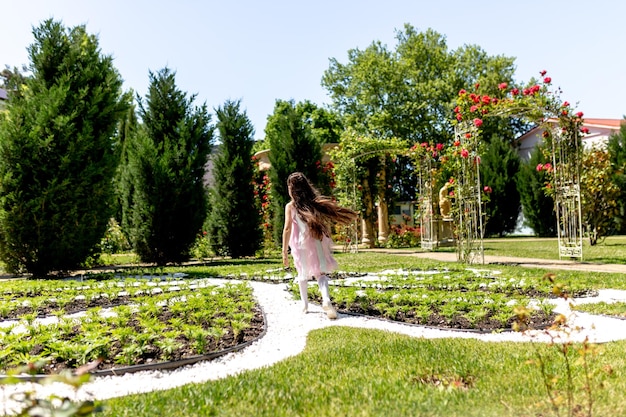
(360, 173)
(536, 103)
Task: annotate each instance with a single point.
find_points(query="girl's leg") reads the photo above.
(304, 294)
(322, 283)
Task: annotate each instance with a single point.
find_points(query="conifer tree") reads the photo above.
(234, 222)
(167, 158)
(537, 206)
(498, 170)
(293, 147)
(617, 154)
(57, 153)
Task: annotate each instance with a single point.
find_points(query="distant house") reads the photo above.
(599, 132)
(264, 156)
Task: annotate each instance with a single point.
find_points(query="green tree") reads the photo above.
(234, 222)
(537, 206)
(294, 147)
(498, 170)
(167, 159)
(124, 180)
(58, 154)
(409, 92)
(617, 154)
(599, 194)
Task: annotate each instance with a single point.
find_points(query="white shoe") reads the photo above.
(331, 313)
(305, 309)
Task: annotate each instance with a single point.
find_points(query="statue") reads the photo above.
(445, 205)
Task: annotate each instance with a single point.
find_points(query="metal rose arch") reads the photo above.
(561, 127)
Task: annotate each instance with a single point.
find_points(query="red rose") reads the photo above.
(478, 122)
(539, 167)
(515, 91)
(458, 142)
(461, 92)
(502, 86)
(579, 114)
(487, 189)
(439, 146)
(544, 72)
(584, 130)
(547, 80)
(473, 108)
(566, 104)
(464, 153)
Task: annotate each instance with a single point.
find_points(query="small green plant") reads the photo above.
(201, 248)
(574, 375)
(29, 405)
(114, 240)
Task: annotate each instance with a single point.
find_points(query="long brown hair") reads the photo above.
(314, 209)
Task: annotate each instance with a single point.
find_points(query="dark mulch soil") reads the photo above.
(539, 320)
(153, 354)
(184, 351)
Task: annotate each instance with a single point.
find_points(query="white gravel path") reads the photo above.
(287, 330)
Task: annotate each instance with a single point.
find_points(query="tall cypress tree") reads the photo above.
(293, 147)
(167, 159)
(498, 170)
(538, 207)
(617, 154)
(234, 222)
(57, 153)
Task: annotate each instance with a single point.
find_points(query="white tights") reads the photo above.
(322, 283)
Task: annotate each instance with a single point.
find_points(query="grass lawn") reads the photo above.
(610, 250)
(357, 372)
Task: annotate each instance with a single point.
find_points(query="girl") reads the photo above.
(307, 232)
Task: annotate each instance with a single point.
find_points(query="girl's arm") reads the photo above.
(286, 234)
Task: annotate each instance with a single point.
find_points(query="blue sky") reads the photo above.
(261, 51)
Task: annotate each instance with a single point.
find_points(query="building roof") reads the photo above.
(610, 123)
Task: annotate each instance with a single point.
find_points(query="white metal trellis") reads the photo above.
(566, 158)
(468, 205)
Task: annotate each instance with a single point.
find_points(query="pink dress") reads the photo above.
(312, 257)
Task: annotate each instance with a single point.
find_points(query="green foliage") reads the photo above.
(114, 241)
(617, 154)
(570, 380)
(537, 206)
(201, 247)
(599, 195)
(498, 171)
(408, 93)
(294, 147)
(167, 158)
(403, 236)
(57, 149)
(234, 222)
(54, 405)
